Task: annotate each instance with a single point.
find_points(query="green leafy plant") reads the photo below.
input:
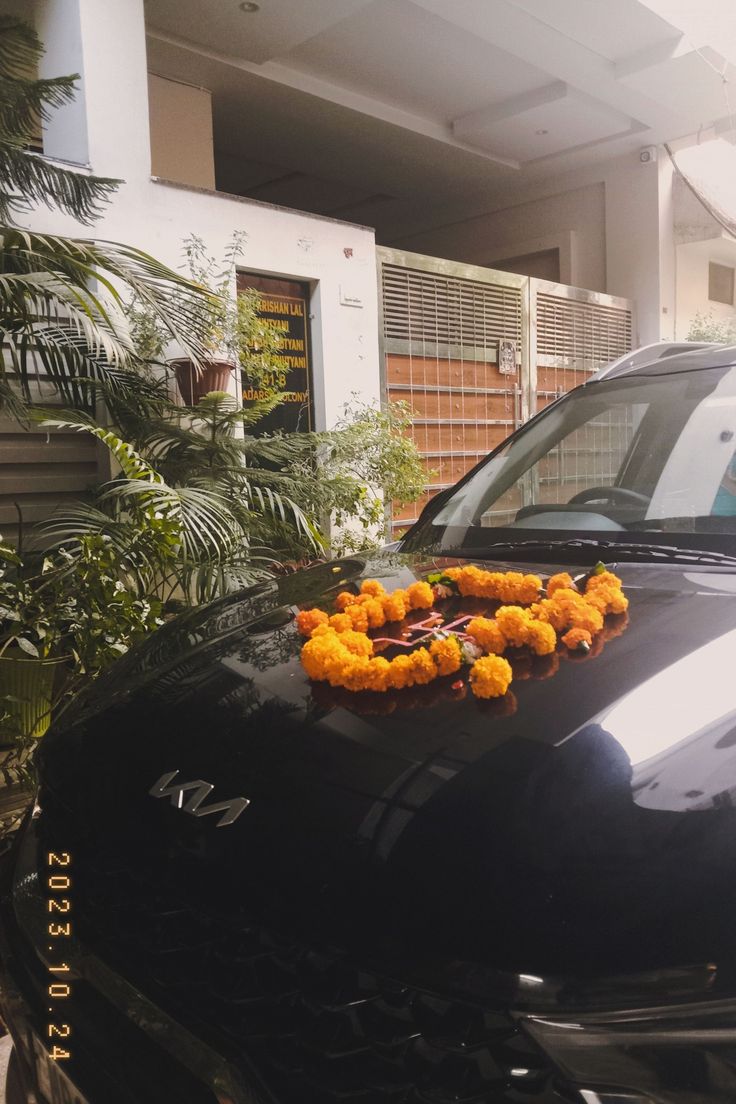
(218, 327)
(704, 327)
(205, 506)
(65, 618)
(199, 528)
(234, 331)
(357, 470)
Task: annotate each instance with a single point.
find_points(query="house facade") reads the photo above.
(522, 137)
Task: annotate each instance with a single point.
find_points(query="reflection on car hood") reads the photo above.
(581, 827)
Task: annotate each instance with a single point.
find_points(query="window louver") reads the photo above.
(445, 310)
(587, 334)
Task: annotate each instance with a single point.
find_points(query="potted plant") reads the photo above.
(30, 650)
(60, 624)
(217, 321)
(228, 325)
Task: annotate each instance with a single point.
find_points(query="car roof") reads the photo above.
(664, 358)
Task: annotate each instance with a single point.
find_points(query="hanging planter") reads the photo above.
(196, 382)
(26, 690)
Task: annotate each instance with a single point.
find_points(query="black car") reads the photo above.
(238, 886)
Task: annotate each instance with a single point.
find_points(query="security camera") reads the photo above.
(648, 155)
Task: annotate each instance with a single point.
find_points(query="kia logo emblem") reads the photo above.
(199, 792)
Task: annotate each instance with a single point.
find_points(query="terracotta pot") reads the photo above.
(29, 684)
(195, 383)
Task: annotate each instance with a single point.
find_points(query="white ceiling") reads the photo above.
(409, 113)
(403, 55)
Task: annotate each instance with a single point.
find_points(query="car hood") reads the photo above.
(578, 830)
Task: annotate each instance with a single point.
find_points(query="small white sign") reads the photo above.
(507, 357)
(348, 300)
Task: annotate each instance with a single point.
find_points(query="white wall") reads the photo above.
(338, 259)
(693, 259)
(613, 218)
(572, 221)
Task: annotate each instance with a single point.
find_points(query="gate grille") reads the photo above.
(448, 310)
(589, 334)
(441, 334)
(576, 334)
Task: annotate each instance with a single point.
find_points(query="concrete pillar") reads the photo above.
(667, 249)
(632, 245)
(107, 125)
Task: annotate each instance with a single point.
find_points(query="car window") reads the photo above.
(636, 454)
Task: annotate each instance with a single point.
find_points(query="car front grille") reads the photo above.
(315, 1027)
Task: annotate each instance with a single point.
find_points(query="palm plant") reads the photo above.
(201, 514)
(204, 506)
(61, 299)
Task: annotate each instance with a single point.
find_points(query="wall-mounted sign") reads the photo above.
(507, 357)
(285, 303)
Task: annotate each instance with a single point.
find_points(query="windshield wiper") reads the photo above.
(605, 549)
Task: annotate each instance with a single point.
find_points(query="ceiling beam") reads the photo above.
(334, 93)
(510, 28)
(651, 57)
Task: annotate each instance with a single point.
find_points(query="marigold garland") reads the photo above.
(340, 652)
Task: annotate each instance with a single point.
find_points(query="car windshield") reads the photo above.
(643, 458)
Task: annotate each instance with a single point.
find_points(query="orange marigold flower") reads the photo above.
(446, 654)
(323, 657)
(340, 652)
(618, 603)
(325, 630)
(372, 587)
(608, 599)
(340, 622)
(487, 633)
(358, 674)
(569, 610)
(357, 643)
(541, 638)
(490, 677)
(514, 622)
(422, 666)
(400, 673)
(587, 617)
(374, 611)
(359, 617)
(529, 589)
(307, 620)
(561, 581)
(598, 599)
(394, 606)
(575, 637)
(508, 585)
(605, 579)
(378, 676)
(420, 596)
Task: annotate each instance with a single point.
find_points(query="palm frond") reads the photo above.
(208, 530)
(20, 47)
(131, 462)
(25, 103)
(179, 303)
(28, 179)
(52, 319)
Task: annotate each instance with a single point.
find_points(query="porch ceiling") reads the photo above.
(407, 113)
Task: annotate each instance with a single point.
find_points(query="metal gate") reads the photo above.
(442, 325)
